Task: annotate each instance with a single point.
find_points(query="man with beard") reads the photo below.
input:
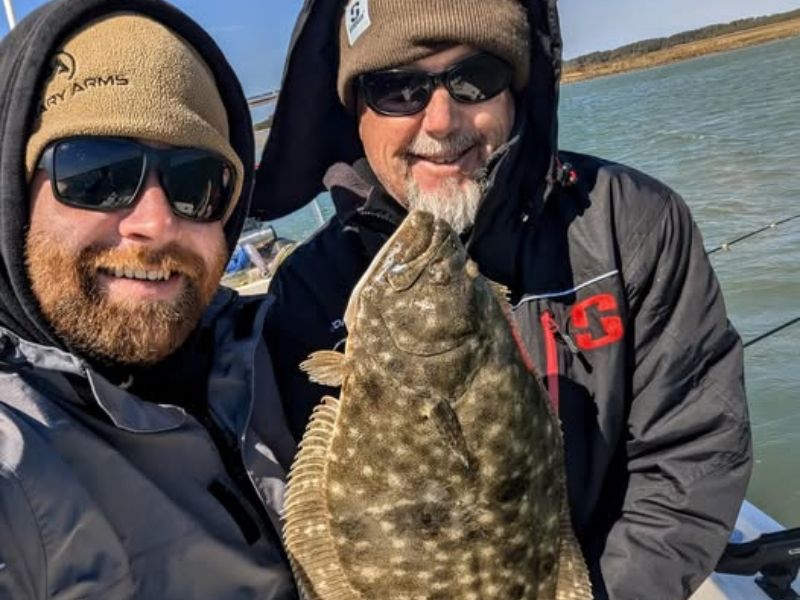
(142, 453)
(451, 107)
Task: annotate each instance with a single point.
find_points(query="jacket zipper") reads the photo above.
(550, 328)
(552, 334)
(244, 490)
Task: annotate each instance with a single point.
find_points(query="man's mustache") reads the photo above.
(428, 146)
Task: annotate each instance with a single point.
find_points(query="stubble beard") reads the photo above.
(456, 201)
(118, 332)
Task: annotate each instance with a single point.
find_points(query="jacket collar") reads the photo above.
(356, 191)
(123, 409)
(230, 380)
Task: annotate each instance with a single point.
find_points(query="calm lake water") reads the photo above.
(724, 131)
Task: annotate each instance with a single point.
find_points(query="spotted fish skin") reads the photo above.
(439, 473)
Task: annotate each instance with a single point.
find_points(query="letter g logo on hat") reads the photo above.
(357, 19)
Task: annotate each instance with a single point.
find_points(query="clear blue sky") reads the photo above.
(255, 33)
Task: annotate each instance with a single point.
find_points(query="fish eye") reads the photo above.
(440, 274)
(472, 270)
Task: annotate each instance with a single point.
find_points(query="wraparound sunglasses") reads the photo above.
(404, 91)
(108, 173)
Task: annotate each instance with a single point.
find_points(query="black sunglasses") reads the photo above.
(403, 92)
(107, 174)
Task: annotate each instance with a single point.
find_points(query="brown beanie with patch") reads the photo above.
(381, 34)
(126, 75)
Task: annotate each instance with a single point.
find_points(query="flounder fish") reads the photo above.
(439, 472)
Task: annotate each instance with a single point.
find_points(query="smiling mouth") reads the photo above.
(138, 274)
(443, 159)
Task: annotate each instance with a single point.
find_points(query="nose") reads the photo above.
(442, 116)
(150, 218)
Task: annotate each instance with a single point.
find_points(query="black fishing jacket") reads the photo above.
(612, 291)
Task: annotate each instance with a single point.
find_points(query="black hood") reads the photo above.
(25, 55)
(312, 131)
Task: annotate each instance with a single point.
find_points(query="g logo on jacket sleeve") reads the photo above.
(613, 329)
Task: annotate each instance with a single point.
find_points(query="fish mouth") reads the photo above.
(402, 260)
(423, 240)
(433, 323)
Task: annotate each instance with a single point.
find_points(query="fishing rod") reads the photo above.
(741, 238)
(746, 236)
(12, 22)
(772, 332)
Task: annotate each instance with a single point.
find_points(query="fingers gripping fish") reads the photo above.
(439, 472)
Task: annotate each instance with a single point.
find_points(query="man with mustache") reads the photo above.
(450, 106)
(142, 444)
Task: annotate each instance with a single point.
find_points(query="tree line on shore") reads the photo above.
(655, 44)
(265, 124)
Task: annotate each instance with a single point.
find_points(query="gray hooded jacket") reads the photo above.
(104, 495)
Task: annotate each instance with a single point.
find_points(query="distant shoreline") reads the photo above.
(714, 45)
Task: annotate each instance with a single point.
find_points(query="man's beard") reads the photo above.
(119, 332)
(456, 202)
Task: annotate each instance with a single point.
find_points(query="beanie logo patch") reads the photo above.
(62, 84)
(63, 64)
(357, 19)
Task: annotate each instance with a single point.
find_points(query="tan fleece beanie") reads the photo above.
(127, 75)
(381, 34)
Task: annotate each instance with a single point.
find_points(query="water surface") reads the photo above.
(724, 131)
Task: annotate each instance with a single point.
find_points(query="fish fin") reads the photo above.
(501, 292)
(325, 367)
(446, 421)
(573, 577)
(307, 535)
